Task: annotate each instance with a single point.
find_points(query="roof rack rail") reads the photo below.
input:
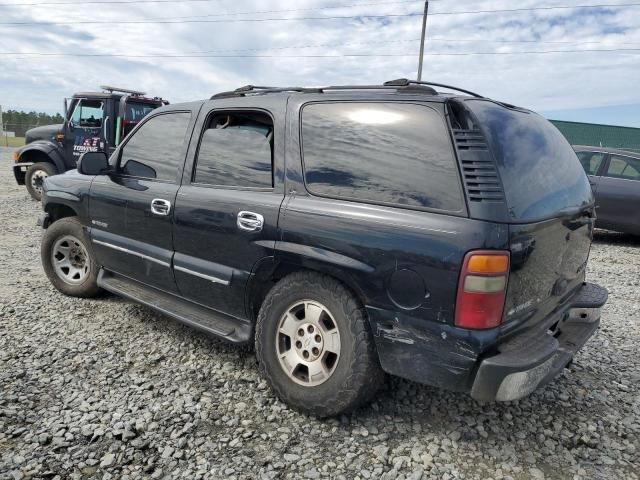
(121, 90)
(254, 89)
(404, 82)
(410, 86)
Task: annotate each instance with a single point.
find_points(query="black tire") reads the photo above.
(65, 230)
(34, 174)
(357, 374)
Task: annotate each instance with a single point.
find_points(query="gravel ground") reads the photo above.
(108, 389)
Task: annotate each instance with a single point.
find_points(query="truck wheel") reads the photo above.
(68, 260)
(314, 346)
(36, 173)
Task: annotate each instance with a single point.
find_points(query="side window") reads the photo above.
(590, 161)
(624, 167)
(390, 153)
(88, 114)
(134, 113)
(155, 150)
(236, 149)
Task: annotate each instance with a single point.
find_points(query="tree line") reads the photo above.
(20, 122)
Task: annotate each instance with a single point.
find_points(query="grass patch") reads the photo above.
(11, 141)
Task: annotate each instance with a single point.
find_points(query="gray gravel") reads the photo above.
(108, 389)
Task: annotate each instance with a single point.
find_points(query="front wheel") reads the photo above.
(314, 346)
(68, 260)
(34, 177)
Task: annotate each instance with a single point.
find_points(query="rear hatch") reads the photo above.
(549, 209)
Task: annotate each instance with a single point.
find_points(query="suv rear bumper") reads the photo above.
(456, 359)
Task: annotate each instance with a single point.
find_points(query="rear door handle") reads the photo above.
(160, 207)
(250, 221)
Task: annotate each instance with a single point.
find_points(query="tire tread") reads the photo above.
(365, 376)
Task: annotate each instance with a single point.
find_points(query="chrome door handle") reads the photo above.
(160, 207)
(250, 222)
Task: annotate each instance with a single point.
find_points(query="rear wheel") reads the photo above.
(68, 260)
(34, 177)
(314, 346)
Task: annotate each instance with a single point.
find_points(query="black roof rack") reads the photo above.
(403, 82)
(254, 89)
(409, 86)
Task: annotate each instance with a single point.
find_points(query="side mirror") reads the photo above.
(93, 163)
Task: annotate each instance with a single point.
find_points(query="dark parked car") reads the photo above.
(347, 232)
(615, 178)
(94, 122)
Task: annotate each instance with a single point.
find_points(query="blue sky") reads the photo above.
(599, 87)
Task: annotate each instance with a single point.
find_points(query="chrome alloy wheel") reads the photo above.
(37, 178)
(70, 260)
(308, 343)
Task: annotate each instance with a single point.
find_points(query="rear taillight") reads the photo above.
(482, 289)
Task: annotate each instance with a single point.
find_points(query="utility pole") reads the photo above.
(424, 30)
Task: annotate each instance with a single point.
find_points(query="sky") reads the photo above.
(231, 43)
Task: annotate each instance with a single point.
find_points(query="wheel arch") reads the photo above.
(42, 152)
(57, 211)
(269, 271)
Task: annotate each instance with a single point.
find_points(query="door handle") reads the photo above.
(250, 222)
(160, 207)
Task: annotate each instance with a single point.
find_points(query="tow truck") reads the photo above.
(93, 122)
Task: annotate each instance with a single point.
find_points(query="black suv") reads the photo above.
(347, 231)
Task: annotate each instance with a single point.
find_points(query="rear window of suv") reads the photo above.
(398, 154)
(540, 172)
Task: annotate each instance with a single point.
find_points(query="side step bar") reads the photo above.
(223, 326)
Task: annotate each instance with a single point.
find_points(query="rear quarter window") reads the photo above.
(398, 154)
(540, 172)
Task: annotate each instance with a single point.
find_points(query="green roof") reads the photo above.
(600, 135)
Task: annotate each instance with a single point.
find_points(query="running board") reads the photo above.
(223, 326)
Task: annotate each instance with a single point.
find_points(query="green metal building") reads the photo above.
(577, 133)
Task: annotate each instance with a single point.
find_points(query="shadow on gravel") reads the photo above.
(616, 238)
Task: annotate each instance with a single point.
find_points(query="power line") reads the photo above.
(326, 7)
(505, 10)
(201, 20)
(125, 2)
(101, 2)
(336, 17)
(204, 53)
(530, 9)
(343, 55)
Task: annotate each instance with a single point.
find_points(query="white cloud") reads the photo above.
(544, 82)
